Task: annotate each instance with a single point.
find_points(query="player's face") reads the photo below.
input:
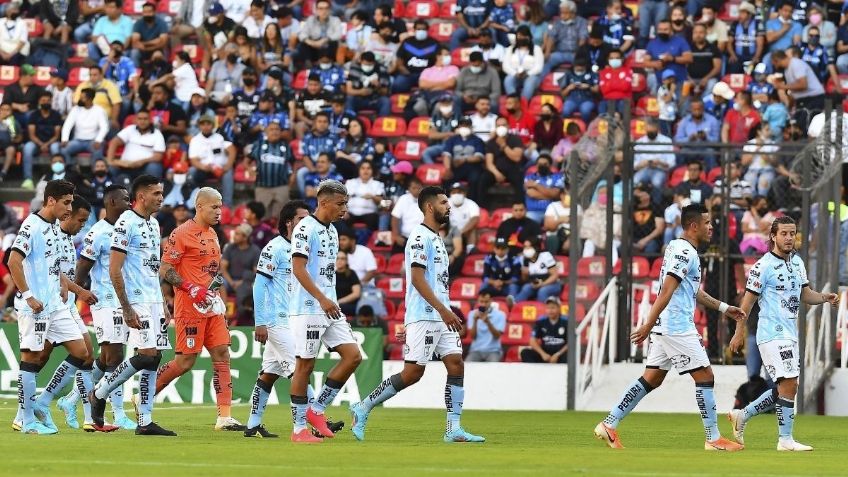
(705, 231)
(301, 214)
(441, 209)
(119, 202)
(61, 208)
(74, 223)
(209, 211)
(337, 204)
(784, 239)
(152, 197)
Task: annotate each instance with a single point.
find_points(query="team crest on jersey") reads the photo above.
(190, 342)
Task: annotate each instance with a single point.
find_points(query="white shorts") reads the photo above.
(424, 338)
(57, 327)
(685, 352)
(78, 319)
(109, 325)
(278, 356)
(309, 331)
(781, 358)
(154, 328)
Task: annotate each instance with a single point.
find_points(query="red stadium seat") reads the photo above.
(737, 82)
(419, 127)
(169, 7)
(498, 216)
(395, 265)
(460, 56)
(537, 101)
(393, 287)
(640, 83)
(484, 219)
(366, 122)
(79, 53)
(398, 102)
(300, 78)
(517, 334)
(655, 269)
(391, 309)
(77, 76)
(431, 174)
(562, 265)
(394, 326)
(21, 208)
(587, 290)
(42, 75)
(486, 242)
(550, 84)
(448, 9)
(473, 266)
(388, 127)
(34, 26)
(238, 215)
(9, 74)
(129, 120)
(637, 59)
(464, 306)
(513, 354)
(637, 128)
(425, 9)
(195, 52)
(442, 31)
(580, 309)
(640, 267)
(579, 122)
(410, 150)
(650, 105)
(591, 267)
(396, 352)
(729, 12)
(526, 312)
(226, 215)
(244, 174)
(465, 288)
(843, 84)
(133, 8)
(380, 241)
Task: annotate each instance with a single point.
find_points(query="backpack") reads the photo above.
(49, 53)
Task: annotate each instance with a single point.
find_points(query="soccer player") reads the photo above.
(674, 339)
(43, 315)
(110, 331)
(778, 282)
(134, 271)
(314, 312)
(430, 325)
(190, 264)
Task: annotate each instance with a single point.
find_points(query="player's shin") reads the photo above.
(121, 374)
(64, 374)
(258, 401)
(763, 404)
(146, 393)
(299, 406)
(454, 397)
(167, 373)
(83, 385)
(26, 390)
(116, 398)
(386, 390)
(327, 395)
(73, 395)
(638, 390)
(98, 370)
(785, 410)
(705, 398)
(223, 384)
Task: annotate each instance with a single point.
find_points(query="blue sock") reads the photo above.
(785, 410)
(146, 391)
(258, 401)
(328, 393)
(74, 395)
(26, 390)
(388, 388)
(705, 397)
(63, 375)
(116, 398)
(629, 400)
(299, 406)
(310, 394)
(83, 386)
(764, 403)
(122, 373)
(454, 397)
(98, 370)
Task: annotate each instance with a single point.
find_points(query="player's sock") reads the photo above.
(299, 406)
(387, 389)
(167, 373)
(146, 393)
(705, 397)
(310, 394)
(223, 384)
(762, 404)
(116, 398)
(326, 396)
(629, 400)
(120, 375)
(258, 401)
(98, 370)
(73, 395)
(454, 396)
(83, 386)
(64, 374)
(785, 410)
(26, 389)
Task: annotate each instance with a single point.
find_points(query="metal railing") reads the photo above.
(599, 328)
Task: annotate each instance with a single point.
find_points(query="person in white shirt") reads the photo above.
(63, 96)
(183, 77)
(652, 162)
(483, 121)
(90, 125)
(522, 64)
(236, 9)
(464, 214)
(365, 194)
(360, 258)
(493, 52)
(14, 36)
(143, 145)
(256, 21)
(406, 214)
(557, 224)
(212, 157)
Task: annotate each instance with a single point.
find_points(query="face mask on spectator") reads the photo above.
(501, 131)
(615, 62)
(663, 36)
(815, 19)
(546, 116)
(707, 18)
(446, 60)
(420, 35)
(813, 40)
(367, 68)
(446, 110)
(100, 174)
(476, 69)
(44, 107)
(678, 22)
(325, 66)
(529, 252)
(209, 134)
(179, 179)
(57, 167)
(615, 17)
(457, 199)
(150, 18)
(736, 106)
(652, 135)
(464, 131)
(579, 72)
(175, 64)
(232, 58)
(249, 81)
(386, 38)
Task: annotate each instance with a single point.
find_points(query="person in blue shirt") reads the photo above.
(842, 48)
(778, 283)
(501, 271)
(667, 52)
(486, 324)
(112, 26)
(332, 75)
(463, 155)
(266, 114)
(579, 90)
(746, 40)
(473, 16)
(759, 88)
(782, 31)
(120, 69)
(312, 180)
(776, 115)
(542, 187)
(618, 28)
(319, 141)
(149, 35)
(698, 126)
(502, 21)
(815, 55)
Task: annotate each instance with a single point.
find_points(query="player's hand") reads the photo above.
(331, 308)
(736, 313)
(450, 319)
(261, 333)
(736, 342)
(166, 312)
(400, 334)
(198, 294)
(641, 334)
(35, 305)
(130, 317)
(832, 298)
(87, 296)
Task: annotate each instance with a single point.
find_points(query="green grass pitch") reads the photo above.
(408, 443)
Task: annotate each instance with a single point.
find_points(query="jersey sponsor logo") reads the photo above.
(786, 354)
(793, 304)
(152, 262)
(680, 360)
(328, 271)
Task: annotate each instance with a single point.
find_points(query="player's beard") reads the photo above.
(442, 218)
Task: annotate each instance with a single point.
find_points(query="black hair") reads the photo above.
(184, 56)
(143, 181)
(365, 310)
(323, 114)
(113, 189)
(79, 203)
(149, 4)
(289, 211)
(692, 214)
(45, 94)
(385, 9)
(88, 93)
(421, 21)
(258, 208)
(368, 56)
(427, 194)
(58, 188)
(361, 15)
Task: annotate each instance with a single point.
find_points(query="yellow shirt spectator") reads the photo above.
(107, 95)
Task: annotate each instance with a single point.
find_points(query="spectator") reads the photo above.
(365, 318)
(360, 258)
(197, 108)
(365, 195)
(238, 263)
(256, 20)
(149, 34)
(320, 32)
(308, 104)
(368, 85)
(384, 46)
(716, 28)
(549, 343)
(672, 216)
(265, 114)
(504, 162)
(90, 126)
(501, 271)
(383, 15)
(842, 49)
(218, 29)
(694, 188)
(519, 122)
(339, 116)
(473, 17)
(23, 95)
(463, 155)
(493, 53)
(564, 37)
(224, 77)
(615, 82)
(697, 126)
(651, 14)
(539, 275)
(519, 228)
(740, 120)
(14, 37)
(705, 69)
(667, 102)
(184, 78)
(776, 116)
(476, 80)
(782, 31)
(63, 97)
(557, 224)
(9, 226)
(596, 51)
(212, 156)
(565, 145)
(720, 101)
(319, 141)
(541, 188)
(443, 123)
(332, 76)
(357, 37)
(166, 115)
(452, 240)
(45, 130)
(143, 147)
(89, 12)
(486, 324)
(648, 224)
(653, 158)
(254, 216)
(107, 95)
(740, 190)
(536, 19)
(321, 173)
(758, 157)
(756, 223)
(680, 25)
(522, 65)
(112, 26)
(58, 170)
(746, 40)
(405, 214)
(464, 214)
(667, 51)
(817, 18)
(246, 47)
(396, 186)
(413, 56)
(119, 70)
(11, 135)
(348, 287)
(274, 162)
(434, 82)
(502, 23)
(814, 54)
(579, 91)
(483, 121)
(617, 28)
(97, 182)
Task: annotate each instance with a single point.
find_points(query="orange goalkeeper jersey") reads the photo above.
(195, 254)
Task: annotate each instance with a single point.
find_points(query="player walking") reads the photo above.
(190, 263)
(134, 271)
(674, 339)
(430, 324)
(778, 281)
(314, 313)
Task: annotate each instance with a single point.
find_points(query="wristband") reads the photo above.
(722, 307)
(26, 295)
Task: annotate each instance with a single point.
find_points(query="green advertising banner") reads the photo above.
(196, 386)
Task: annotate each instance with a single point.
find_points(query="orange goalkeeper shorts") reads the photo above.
(194, 332)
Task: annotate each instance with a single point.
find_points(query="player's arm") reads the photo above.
(83, 269)
(172, 256)
(116, 265)
(301, 275)
(708, 301)
(669, 285)
(16, 270)
(79, 291)
(811, 297)
(261, 312)
(748, 300)
(423, 288)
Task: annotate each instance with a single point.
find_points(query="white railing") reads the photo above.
(600, 327)
(642, 309)
(818, 346)
(842, 330)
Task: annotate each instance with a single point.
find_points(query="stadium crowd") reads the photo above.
(264, 99)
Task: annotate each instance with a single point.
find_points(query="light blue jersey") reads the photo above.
(39, 242)
(319, 244)
(681, 262)
(778, 284)
(68, 262)
(272, 287)
(96, 247)
(138, 238)
(425, 249)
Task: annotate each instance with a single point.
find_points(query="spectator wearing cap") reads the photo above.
(596, 51)
(45, 129)
(493, 52)
(740, 120)
(357, 37)
(217, 30)
(322, 171)
(265, 114)
(308, 104)
(443, 123)
(149, 34)
(225, 75)
(486, 324)
(256, 20)
(465, 213)
(384, 46)
(539, 276)
(112, 26)
(212, 157)
(504, 161)
(579, 90)
(360, 258)
(90, 126)
(615, 82)
(23, 94)
(274, 163)
(414, 54)
(368, 85)
(321, 31)
(549, 343)
(340, 116)
(14, 36)
(522, 64)
(63, 96)
(705, 69)
(564, 37)
(332, 75)
(782, 31)
(463, 155)
(653, 158)
(197, 108)
(353, 149)
(238, 263)
(501, 271)
(667, 99)
(318, 141)
(433, 83)
(720, 101)
(473, 17)
(143, 147)
(667, 51)
(815, 54)
(483, 121)
(475, 80)
(541, 188)
(746, 39)
(405, 214)
(759, 87)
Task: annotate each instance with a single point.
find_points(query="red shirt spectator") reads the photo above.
(616, 83)
(520, 122)
(739, 121)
